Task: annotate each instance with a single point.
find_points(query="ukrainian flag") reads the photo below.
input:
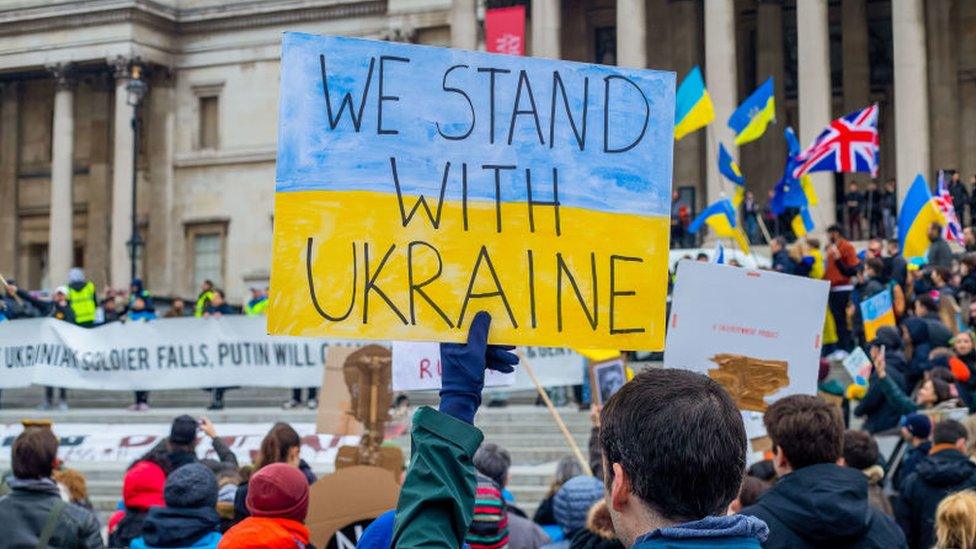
(877, 312)
(721, 218)
(802, 222)
(728, 167)
(749, 121)
(917, 213)
(807, 185)
(693, 108)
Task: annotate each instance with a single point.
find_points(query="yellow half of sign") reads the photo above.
(601, 283)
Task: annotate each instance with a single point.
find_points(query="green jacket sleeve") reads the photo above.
(896, 397)
(436, 504)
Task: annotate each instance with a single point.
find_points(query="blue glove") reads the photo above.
(463, 369)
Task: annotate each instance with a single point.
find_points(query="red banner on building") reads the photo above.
(505, 30)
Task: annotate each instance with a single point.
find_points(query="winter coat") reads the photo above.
(940, 255)
(735, 531)
(882, 414)
(783, 263)
(267, 533)
(177, 527)
(944, 471)
(127, 529)
(585, 539)
(918, 333)
(909, 462)
(543, 513)
(524, 534)
(25, 510)
(824, 505)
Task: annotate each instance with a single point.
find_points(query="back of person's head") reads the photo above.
(917, 425)
(806, 429)
(277, 444)
(752, 488)
(763, 470)
(684, 473)
(927, 303)
(860, 449)
(875, 266)
(948, 431)
(567, 468)
(191, 486)
(572, 502)
(183, 433)
(955, 521)
(493, 461)
(34, 453)
(278, 490)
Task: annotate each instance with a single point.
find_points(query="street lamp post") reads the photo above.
(136, 89)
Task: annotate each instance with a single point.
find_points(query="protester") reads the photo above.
(33, 513)
(940, 255)
(177, 310)
(217, 305)
(281, 445)
(853, 206)
(816, 503)
(960, 196)
(138, 311)
(567, 468)
(203, 299)
(872, 210)
(889, 208)
(750, 217)
(896, 268)
(945, 470)
(189, 518)
(142, 489)
(661, 488)
(572, 506)
(137, 291)
(861, 453)
(882, 413)
(782, 262)
(258, 304)
(842, 263)
(179, 448)
(81, 295)
(955, 521)
(278, 504)
(489, 524)
(915, 430)
(750, 492)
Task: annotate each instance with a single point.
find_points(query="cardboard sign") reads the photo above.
(858, 366)
(758, 333)
(418, 185)
(349, 499)
(417, 367)
(877, 311)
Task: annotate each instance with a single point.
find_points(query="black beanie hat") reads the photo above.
(184, 430)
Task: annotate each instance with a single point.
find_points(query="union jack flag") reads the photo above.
(849, 144)
(943, 201)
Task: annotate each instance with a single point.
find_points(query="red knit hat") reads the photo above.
(278, 490)
(142, 486)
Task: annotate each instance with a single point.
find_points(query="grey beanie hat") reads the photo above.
(573, 501)
(191, 486)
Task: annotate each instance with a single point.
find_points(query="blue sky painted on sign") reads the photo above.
(312, 155)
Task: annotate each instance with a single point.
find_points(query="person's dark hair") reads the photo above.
(943, 374)
(701, 256)
(158, 454)
(969, 260)
(941, 389)
(763, 470)
(276, 444)
(807, 429)
(835, 228)
(779, 240)
(682, 473)
(493, 461)
(566, 468)
(928, 303)
(936, 225)
(894, 241)
(751, 489)
(876, 265)
(860, 449)
(945, 273)
(33, 453)
(948, 431)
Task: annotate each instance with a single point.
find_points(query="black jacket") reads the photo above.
(824, 505)
(783, 263)
(935, 477)
(26, 508)
(128, 529)
(173, 527)
(881, 414)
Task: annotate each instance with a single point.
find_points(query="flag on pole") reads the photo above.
(693, 106)
(952, 230)
(849, 144)
(729, 168)
(720, 216)
(791, 192)
(917, 213)
(802, 222)
(749, 121)
(718, 257)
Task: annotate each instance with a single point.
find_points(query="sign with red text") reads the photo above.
(505, 30)
(758, 333)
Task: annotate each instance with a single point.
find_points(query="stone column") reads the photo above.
(632, 33)
(464, 24)
(943, 40)
(685, 37)
(121, 179)
(159, 110)
(813, 55)
(768, 154)
(722, 84)
(100, 142)
(854, 43)
(60, 246)
(911, 94)
(9, 144)
(546, 28)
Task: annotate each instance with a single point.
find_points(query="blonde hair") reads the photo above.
(955, 521)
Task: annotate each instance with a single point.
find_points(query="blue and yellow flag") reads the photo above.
(720, 216)
(749, 121)
(916, 215)
(877, 312)
(728, 167)
(802, 222)
(693, 106)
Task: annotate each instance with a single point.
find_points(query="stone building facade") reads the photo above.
(204, 159)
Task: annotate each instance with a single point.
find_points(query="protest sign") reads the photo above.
(876, 311)
(418, 185)
(172, 353)
(858, 366)
(416, 366)
(758, 333)
(607, 378)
